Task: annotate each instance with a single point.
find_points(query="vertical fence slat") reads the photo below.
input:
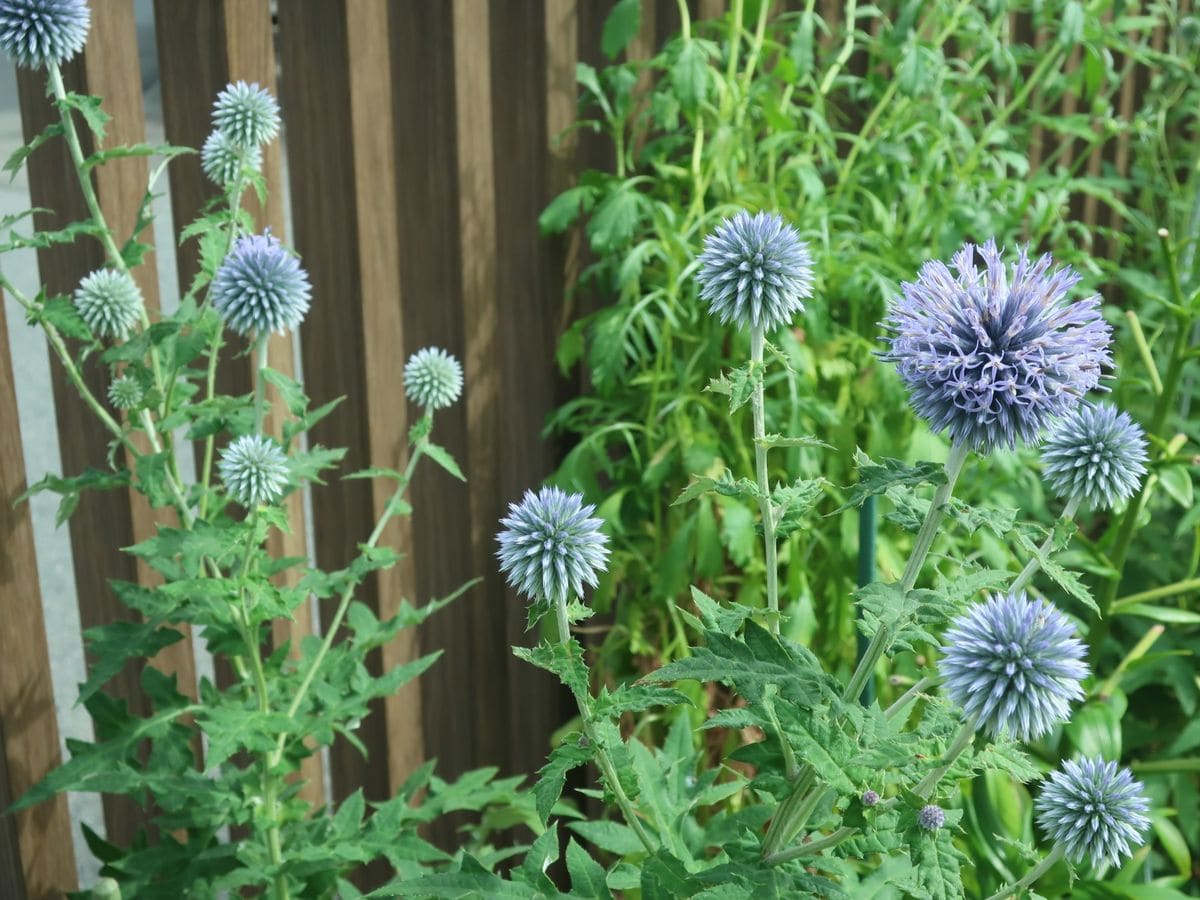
(202, 46)
(351, 339)
(107, 68)
(43, 861)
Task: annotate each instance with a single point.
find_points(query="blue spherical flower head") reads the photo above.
(755, 271)
(1094, 810)
(870, 798)
(260, 287)
(222, 158)
(931, 817)
(1014, 665)
(36, 32)
(991, 355)
(1095, 453)
(254, 470)
(110, 302)
(247, 114)
(433, 378)
(551, 546)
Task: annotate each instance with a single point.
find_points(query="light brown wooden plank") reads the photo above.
(43, 863)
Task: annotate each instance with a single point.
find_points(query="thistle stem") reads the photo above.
(764, 488)
(1032, 875)
(260, 383)
(1034, 564)
(601, 755)
(901, 703)
(966, 734)
(811, 848)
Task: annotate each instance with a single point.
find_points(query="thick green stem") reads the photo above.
(601, 755)
(764, 487)
(811, 848)
(1031, 567)
(1032, 875)
(901, 703)
(260, 382)
(962, 740)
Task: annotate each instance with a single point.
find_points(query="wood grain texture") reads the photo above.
(203, 46)
(108, 68)
(36, 856)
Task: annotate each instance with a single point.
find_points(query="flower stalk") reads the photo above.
(766, 507)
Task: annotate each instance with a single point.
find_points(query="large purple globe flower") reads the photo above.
(755, 271)
(1014, 665)
(260, 287)
(1094, 810)
(991, 355)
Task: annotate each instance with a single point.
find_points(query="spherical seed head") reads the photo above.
(1014, 665)
(260, 287)
(433, 378)
(254, 470)
(36, 32)
(110, 302)
(1094, 809)
(551, 546)
(931, 817)
(222, 158)
(755, 271)
(870, 798)
(991, 356)
(1095, 453)
(125, 392)
(247, 113)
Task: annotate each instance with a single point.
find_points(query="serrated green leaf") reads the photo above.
(876, 478)
(443, 458)
(587, 876)
(620, 27)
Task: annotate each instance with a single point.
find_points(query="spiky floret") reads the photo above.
(551, 546)
(755, 271)
(433, 378)
(1014, 665)
(255, 470)
(36, 32)
(1094, 810)
(110, 302)
(1095, 453)
(931, 817)
(991, 355)
(222, 158)
(126, 392)
(260, 287)
(247, 113)
(870, 798)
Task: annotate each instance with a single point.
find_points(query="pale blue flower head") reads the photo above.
(254, 469)
(36, 32)
(1095, 810)
(247, 113)
(1095, 453)
(755, 271)
(931, 817)
(223, 159)
(260, 287)
(126, 392)
(1014, 665)
(110, 302)
(551, 546)
(991, 355)
(433, 378)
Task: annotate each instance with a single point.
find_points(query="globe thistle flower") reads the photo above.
(125, 392)
(755, 271)
(433, 378)
(931, 817)
(247, 114)
(110, 302)
(222, 158)
(260, 287)
(1014, 665)
(36, 32)
(1093, 810)
(550, 546)
(991, 356)
(254, 469)
(870, 798)
(1095, 453)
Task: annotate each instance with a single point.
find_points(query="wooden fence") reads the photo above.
(421, 146)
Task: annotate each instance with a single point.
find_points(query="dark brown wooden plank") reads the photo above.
(202, 46)
(35, 845)
(108, 68)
